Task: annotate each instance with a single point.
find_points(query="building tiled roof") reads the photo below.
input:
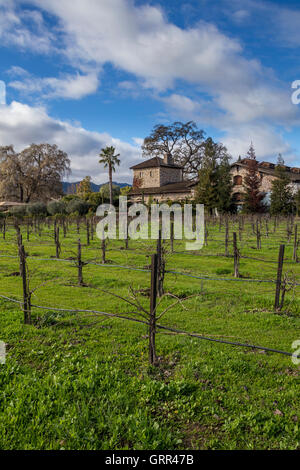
(269, 168)
(154, 163)
(182, 187)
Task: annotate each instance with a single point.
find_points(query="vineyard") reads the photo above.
(140, 344)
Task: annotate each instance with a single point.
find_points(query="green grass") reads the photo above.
(74, 381)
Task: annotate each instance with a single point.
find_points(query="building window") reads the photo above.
(150, 174)
(237, 197)
(141, 174)
(238, 180)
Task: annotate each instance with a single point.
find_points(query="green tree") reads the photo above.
(77, 206)
(282, 198)
(105, 192)
(94, 200)
(253, 197)
(109, 160)
(125, 190)
(84, 189)
(56, 208)
(224, 188)
(215, 185)
(206, 192)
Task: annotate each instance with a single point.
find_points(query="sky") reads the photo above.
(92, 73)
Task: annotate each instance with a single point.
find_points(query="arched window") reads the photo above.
(238, 180)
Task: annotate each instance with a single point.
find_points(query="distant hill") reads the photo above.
(69, 188)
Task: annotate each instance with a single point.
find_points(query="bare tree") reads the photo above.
(33, 174)
(185, 142)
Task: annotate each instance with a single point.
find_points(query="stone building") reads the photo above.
(160, 179)
(266, 173)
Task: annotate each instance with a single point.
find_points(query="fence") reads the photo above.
(150, 317)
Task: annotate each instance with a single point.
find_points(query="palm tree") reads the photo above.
(110, 160)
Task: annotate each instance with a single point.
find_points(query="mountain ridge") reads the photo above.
(70, 188)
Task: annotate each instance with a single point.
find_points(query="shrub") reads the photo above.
(38, 209)
(70, 197)
(18, 211)
(56, 208)
(76, 205)
(94, 200)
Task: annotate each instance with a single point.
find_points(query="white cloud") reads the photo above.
(268, 144)
(138, 141)
(141, 41)
(240, 15)
(21, 125)
(15, 30)
(280, 21)
(182, 103)
(16, 71)
(72, 87)
(241, 93)
(2, 93)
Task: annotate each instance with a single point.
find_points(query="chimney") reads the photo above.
(168, 160)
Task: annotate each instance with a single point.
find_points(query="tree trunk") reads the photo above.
(110, 185)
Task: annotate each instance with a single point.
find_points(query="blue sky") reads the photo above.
(86, 74)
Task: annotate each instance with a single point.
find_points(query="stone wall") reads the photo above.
(265, 185)
(149, 177)
(170, 175)
(156, 177)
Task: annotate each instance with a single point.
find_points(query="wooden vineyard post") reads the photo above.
(92, 229)
(126, 239)
(19, 242)
(152, 320)
(64, 227)
(236, 256)
(26, 293)
(56, 239)
(226, 237)
(295, 257)
(87, 232)
(267, 228)
(288, 230)
(252, 225)
(240, 229)
(279, 276)
(79, 264)
(205, 233)
(172, 235)
(27, 227)
(160, 268)
(54, 230)
(103, 246)
(258, 237)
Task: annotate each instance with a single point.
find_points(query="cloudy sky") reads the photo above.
(86, 74)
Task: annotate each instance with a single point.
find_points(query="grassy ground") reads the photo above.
(76, 381)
